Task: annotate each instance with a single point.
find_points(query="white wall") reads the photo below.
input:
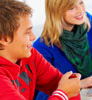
(38, 11)
(88, 4)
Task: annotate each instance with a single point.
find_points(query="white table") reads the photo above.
(84, 96)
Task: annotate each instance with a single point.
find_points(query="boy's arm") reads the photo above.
(58, 95)
(43, 82)
(49, 78)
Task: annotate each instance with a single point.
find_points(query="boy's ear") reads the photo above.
(5, 42)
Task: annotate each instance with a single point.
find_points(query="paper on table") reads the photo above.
(89, 93)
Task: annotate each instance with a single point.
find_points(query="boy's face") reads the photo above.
(21, 45)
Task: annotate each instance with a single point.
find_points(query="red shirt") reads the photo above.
(18, 81)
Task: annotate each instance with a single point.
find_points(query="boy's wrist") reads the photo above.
(61, 94)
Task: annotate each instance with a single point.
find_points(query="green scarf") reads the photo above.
(76, 48)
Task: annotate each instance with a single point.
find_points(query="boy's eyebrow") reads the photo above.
(29, 28)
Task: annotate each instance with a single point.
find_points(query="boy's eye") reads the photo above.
(27, 32)
(81, 2)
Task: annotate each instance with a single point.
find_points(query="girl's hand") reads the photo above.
(86, 83)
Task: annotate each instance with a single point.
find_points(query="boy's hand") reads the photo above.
(70, 85)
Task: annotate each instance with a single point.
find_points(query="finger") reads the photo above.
(78, 75)
(68, 74)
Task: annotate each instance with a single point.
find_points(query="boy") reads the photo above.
(21, 71)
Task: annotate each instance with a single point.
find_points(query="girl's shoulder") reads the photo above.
(89, 16)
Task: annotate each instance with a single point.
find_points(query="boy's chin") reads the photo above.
(28, 55)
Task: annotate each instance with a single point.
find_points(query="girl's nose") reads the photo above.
(80, 9)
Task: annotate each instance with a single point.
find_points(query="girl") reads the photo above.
(65, 42)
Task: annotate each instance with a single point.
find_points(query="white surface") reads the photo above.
(84, 95)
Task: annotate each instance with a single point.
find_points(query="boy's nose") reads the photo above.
(32, 37)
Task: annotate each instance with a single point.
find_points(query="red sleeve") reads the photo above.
(47, 75)
(58, 95)
(7, 90)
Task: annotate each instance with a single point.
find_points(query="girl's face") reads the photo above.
(75, 15)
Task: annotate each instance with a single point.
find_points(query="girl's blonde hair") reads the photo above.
(53, 28)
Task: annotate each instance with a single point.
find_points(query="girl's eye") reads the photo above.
(72, 8)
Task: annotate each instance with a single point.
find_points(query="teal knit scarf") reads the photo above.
(76, 48)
